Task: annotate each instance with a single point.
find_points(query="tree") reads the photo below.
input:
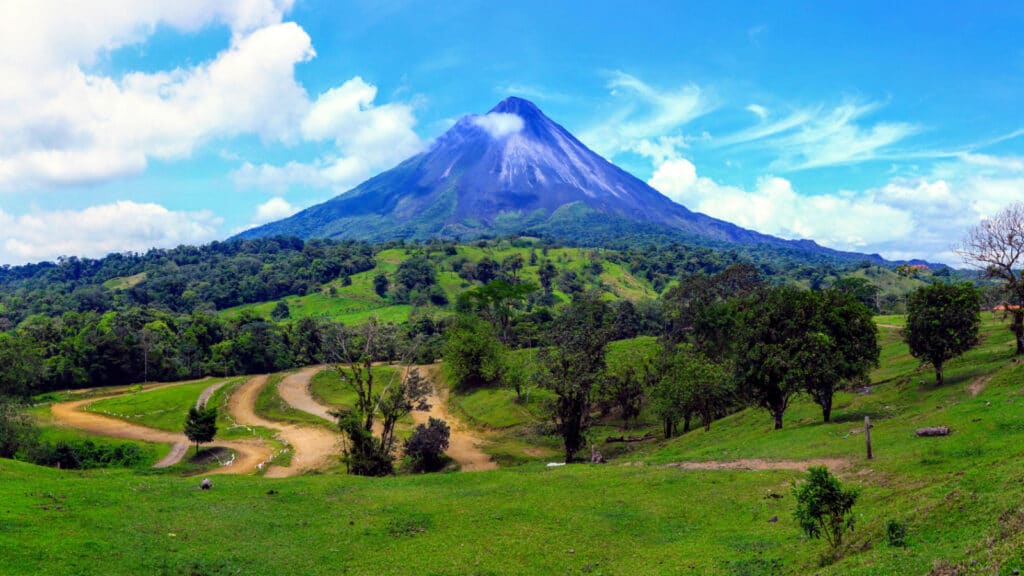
(771, 329)
(625, 390)
(201, 425)
(380, 284)
(17, 430)
(472, 354)
(496, 301)
(690, 384)
(425, 447)
(996, 246)
(841, 347)
(574, 365)
(823, 507)
(367, 453)
(280, 311)
(860, 288)
(943, 321)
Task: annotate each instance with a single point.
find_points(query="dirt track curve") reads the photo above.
(247, 455)
(313, 446)
(462, 446)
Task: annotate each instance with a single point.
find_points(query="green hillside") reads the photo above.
(646, 512)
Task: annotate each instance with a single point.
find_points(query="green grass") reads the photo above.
(269, 405)
(328, 388)
(125, 282)
(164, 408)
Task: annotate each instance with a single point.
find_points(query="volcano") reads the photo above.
(512, 170)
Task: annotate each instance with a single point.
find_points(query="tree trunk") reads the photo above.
(686, 423)
(1018, 329)
(938, 374)
(826, 409)
(777, 413)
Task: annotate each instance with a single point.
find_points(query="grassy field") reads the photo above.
(164, 408)
(958, 496)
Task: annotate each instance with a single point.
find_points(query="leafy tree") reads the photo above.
(771, 330)
(17, 430)
(281, 311)
(547, 274)
(625, 390)
(201, 425)
(860, 288)
(426, 446)
(380, 284)
(686, 302)
(688, 384)
(472, 353)
(496, 301)
(415, 273)
(996, 246)
(574, 365)
(841, 347)
(824, 508)
(943, 321)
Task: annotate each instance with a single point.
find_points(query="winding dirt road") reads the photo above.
(247, 455)
(462, 446)
(314, 447)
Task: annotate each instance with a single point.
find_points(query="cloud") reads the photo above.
(499, 124)
(100, 230)
(814, 138)
(64, 125)
(273, 209)
(905, 218)
(645, 113)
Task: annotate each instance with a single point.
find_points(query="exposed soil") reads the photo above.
(761, 464)
(206, 394)
(294, 390)
(978, 384)
(314, 447)
(463, 447)
(247, 455)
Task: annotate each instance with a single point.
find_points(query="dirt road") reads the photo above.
(314, 447)
(761, 464)
(247, 455)
(462, 446)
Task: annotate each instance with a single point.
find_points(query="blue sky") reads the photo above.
(128, 124)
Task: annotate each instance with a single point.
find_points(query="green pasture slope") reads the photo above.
(960, 498)
(164, 408)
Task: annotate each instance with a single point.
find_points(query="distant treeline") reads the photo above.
(183, 279)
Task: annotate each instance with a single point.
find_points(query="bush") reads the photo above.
(896, 534)
(17, 432)
(87, 454)
(425, 448)
(823, 506)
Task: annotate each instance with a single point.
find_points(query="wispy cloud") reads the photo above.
(645, 113)
(818, 137)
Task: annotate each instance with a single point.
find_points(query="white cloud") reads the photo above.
(760, 111)
(273, 209)
(65, 125)
(905, 218)
(499, 124)
(646, 113)
(100, 230)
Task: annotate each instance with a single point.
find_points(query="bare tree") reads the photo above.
(996, 245)
(370, 448)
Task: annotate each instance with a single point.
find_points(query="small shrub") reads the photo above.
(425, 448)
(824, 508)
(896, 534)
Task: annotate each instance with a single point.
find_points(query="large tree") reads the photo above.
(942, 323)
(770, 332)
(841, 347)
(996, 246)
(574, 364)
